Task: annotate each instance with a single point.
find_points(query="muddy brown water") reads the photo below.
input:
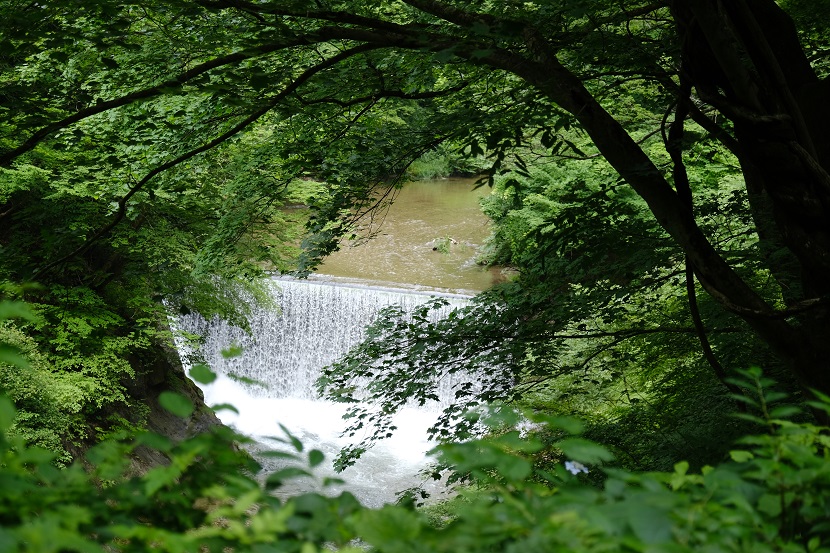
(427, 240)
(426, 243)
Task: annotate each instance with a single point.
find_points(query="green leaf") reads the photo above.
(820, 405)
(7, 413)
(246, 380)
(277, 478)
(160, 477)
(584, 451)
(389, 529)
(224, 407)
(750, 418)
(820, 395)
(332, 481)
(15, 310)
(8, 540)
(232, 351)
(744, 399)
(741, 456)
(772, 396)
(813, 544)
(570, 425)
(679, 477)
(770, 504)
(155, 441)
(315, 457)
(514, 469)
(176, 403)
(278, 455)
(292, 439)
(11, 356)
(650, 524)
(784, 412)
(202, 374)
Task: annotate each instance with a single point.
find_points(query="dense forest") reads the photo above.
(655, 378)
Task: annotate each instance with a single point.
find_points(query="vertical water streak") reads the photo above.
(315, 324)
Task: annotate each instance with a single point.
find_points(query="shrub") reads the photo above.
(772, 495)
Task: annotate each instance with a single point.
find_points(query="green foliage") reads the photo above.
(578, 332)
(771, 495)
(113, 240)
(149, 153)
(443, 244)
(205, 500)
(49, 404)
(79, 356)
(445, 161)
(764, 499)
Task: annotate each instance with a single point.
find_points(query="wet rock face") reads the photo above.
(166, 373)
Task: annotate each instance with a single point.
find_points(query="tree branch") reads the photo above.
(339, 17)
(795, 309)
(632, 332)
(710, 126)
(122, 203)
(674, 146)
(164, 87)
(384, 94)
(452, 14)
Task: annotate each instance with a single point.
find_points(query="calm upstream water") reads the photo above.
(318, 321)
(424, 216)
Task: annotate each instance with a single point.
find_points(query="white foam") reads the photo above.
(315, 325)
(391, 466)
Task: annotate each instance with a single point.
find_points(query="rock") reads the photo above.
(166, 373)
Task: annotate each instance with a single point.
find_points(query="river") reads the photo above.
(428, 240)
(318, 321)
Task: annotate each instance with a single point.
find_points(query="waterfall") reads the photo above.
(313, 325)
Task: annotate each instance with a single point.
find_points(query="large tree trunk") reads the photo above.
(747, 63)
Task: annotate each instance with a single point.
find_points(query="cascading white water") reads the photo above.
(316, 324)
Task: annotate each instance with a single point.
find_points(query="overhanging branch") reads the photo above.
(400, 94)
(174, 83)
(236, 129)
(633, 332)
(339, 17)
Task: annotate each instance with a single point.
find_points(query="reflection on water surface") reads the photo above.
(428, 239)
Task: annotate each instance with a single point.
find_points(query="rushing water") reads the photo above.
(316, 324)
(427, 241)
